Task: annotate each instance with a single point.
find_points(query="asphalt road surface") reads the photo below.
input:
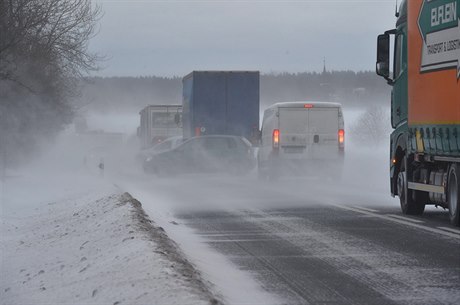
(333, 255)
(318, 244)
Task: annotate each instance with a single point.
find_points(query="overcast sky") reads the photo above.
(172, 38)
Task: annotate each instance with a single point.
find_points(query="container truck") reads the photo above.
(425, 104)
(221, 103)
(159, 122)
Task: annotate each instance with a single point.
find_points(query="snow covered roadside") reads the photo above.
(82, 241)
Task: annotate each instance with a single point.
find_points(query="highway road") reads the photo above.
(339, 255)
(308, 242)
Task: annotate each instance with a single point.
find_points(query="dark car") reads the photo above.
(165, 145)
(205, 154)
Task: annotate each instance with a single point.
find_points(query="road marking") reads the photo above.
(450, 230)
(400, 221)
(365, 209)
(405, 218)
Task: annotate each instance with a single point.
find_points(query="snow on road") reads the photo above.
(70, 236)
(76, 239)
(157, 196)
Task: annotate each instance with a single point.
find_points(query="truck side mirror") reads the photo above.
(383, 56)
(177, 118)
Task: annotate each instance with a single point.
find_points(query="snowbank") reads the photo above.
(94, 245)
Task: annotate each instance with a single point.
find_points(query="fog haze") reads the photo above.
(111, 193)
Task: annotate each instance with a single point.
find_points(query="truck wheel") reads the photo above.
(409, 204)
(453, 198)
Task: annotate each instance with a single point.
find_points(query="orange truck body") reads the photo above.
(434, 96)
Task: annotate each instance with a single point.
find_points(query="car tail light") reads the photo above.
(308, 106)
(197, 131)
(276, 138)
(341, 138)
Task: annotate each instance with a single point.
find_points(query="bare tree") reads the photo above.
(372, 127)
(53, 33)
(43, 54)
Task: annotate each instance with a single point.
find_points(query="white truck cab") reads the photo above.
(298, 137)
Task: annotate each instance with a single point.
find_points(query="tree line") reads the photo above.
(105, 94)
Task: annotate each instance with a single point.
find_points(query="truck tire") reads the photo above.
(407, 198)
(453, 198)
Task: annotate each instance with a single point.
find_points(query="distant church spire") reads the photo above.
(324, 65)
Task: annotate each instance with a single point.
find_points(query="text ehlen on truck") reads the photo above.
(425, 104)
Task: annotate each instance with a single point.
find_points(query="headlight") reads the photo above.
(148, 159)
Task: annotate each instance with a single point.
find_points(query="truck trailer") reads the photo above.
(425, 104)
(221, 103)
(159, 122)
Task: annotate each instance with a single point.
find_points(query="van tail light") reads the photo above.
(341, 138)
(276, 138)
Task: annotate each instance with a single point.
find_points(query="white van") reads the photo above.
(303, 138)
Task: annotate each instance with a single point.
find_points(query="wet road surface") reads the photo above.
(337, 255)
(312, 243)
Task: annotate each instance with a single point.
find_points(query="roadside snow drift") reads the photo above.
(93, 248)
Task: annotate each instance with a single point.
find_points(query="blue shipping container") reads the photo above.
(221, 102)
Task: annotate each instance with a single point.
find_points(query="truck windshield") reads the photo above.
(163, 119)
